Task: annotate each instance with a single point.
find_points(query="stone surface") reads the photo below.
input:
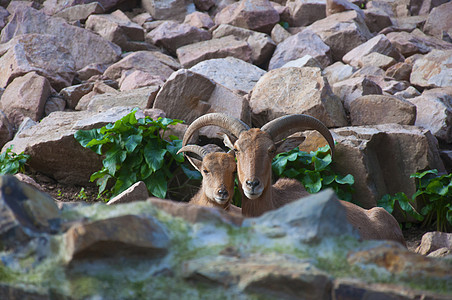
(30, 53)
(231, 72)
(137, 192)
(342, 32)
(381, 109)
(279, 34)
(433, 70)
(28, 20)
(299, 45)
(146, 61)
(376, 19)
(135, 79)
(254, 15)
(350, 89)
(262, 46)
(303, 13)
(165, 9)
(338, 72)
(274, 94)
(379, 44)
(72, 94)
(6, 129)
(377, 60)
(435, 112)
(187, 95)
(199, 19)
(432, 241)
(439, 20)
(305, 61)
(80, 12)
(400, 71)
(192, 54)
(117, 28)
(25, 97)
(171, 35)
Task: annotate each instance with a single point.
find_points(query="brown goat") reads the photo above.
(255, 148)
(218, 173)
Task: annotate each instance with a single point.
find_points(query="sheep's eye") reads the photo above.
(205, 171)
(272, 150)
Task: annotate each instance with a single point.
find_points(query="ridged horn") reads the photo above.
(284, 126)
(198, 150)
(233, 125)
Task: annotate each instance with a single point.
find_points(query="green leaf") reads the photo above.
(279, 164)
(437, 187)
(157, 185)
(191, 174)
(406, 206)
(132, 141)
(347, 179)
(420, 175)
(387, 202)
(114, 157)
(154, 155)
(321, 163)
(291, 173)
(312, 182)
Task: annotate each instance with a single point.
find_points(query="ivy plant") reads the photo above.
(135, 150)
(314, 171)
(12, 163)
(434, 194)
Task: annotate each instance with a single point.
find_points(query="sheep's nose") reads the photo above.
(252, 183)
(223, 193)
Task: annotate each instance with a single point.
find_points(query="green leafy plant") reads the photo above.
(314, 171)
(12, 163)
(135, 150)
(82, 194)
(434, 195)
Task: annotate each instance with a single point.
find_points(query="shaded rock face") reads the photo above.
(305, 249)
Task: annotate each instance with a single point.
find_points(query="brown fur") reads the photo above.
(217, 170)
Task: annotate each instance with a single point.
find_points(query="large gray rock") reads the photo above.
(350, 89)
(342, 32)
(432, 241)
(80, 12)
(51, 7)
(187, 95)
(231, 72)
(25, 97)
(295, 90)
(166, 9)
(116, 28)
(434, 112)
(30, 53)
(6, 129)
(299, 45)
(146, 61)
(172, 35)
(28, 20)
(262, 46)
(192, 54)
(303, 13)
(338, 72)
(381, 109)
(439, 21)
(379, 44)
(433, 70)
(254, 15)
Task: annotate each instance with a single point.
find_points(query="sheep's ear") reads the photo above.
(289, 144)
(196, 163)
(228, 141)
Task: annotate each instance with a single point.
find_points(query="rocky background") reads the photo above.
(377, 73)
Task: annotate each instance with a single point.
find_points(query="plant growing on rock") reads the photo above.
(135, 150)
(314, 171)
(434, 193)
(12, 163)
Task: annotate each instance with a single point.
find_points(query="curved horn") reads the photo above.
(284, 126)
(198, 150)
(233, 125)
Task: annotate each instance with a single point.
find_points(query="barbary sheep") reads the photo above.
(255, 148)
(218, 175)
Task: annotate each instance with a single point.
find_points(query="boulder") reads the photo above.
(73, 93)
(6, 129)
(262, 46)
(54, 103)
(296, 46)
(377, 20)
(377, 60)
(303, 13)
(434, 112)
(172, 35)
(350, 89)
(80, 12)
(231, 72)
(26, 96)
(338, 6)
(51, 7)
(187, 95)
(199, 20)
(439, 21)
(381, 109)
(379, 44)
(116, 28)
(30, 53)
(432, 241)
(338, 72)
(305, 61)
(128, 235)
(192, 54)
(146, 61)
(136, 192)
(254, 15)
(135, 79)
(400, 71)
(166, 9)
(28, 20)
(342, 32)
(433, 70)
(295, 90)
(279, 34)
